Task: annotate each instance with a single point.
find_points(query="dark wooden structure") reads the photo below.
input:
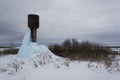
(33, 24)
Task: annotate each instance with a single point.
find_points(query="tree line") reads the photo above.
(73, 49)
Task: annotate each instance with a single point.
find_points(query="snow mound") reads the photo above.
(11, 64)
(31, 55)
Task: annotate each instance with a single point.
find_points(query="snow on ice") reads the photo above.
(29, 48)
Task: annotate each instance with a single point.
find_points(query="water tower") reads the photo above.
(33, 24)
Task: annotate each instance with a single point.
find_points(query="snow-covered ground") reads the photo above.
(47, 67)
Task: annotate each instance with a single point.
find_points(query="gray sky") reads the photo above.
(93, 20)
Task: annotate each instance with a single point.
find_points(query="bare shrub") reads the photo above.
(85, 51)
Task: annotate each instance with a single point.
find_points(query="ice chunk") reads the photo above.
(28, 48)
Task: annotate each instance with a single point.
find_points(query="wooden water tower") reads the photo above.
(33, 24)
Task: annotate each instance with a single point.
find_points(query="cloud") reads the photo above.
(61, 19)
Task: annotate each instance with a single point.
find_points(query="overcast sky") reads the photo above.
(93, 20)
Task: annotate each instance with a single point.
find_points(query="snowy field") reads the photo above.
(42, 67)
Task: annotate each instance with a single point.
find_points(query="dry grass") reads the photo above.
(9, 51)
